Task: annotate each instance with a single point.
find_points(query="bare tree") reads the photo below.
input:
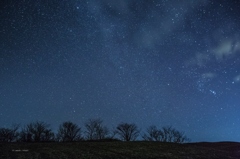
(25, 135)
(9, 134)
(95, 130)
(153, 134)
(48, 135)
(171, 134)
(36, 132)
(112, 134)
(180, 137)
(69, 131)
(127, 132)
(166, 134)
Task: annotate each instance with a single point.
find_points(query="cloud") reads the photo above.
(237, 78)
(209, 75)
(199, 59)
(146, 23)
(236, 47)
(122, 6)
(155, 20)
(226, 49)
(223, 50)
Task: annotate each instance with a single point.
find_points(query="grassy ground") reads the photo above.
(120, 150)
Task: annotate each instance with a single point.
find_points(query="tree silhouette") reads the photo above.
(127, 132)
(153, 134)
(95, 130)
(36, 132)
(68, 132)
(166, 134)
(9, 134)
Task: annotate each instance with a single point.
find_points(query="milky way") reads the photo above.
(162, 62)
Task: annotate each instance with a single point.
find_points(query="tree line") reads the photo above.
(95, 130)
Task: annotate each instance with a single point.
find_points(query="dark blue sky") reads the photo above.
(161, 62)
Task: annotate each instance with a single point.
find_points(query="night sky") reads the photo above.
(149, 62)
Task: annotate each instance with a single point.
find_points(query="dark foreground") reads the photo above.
(120, 150)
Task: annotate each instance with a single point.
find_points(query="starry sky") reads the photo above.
(149, 62)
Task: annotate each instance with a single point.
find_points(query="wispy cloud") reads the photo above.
(237, 78)
(226, 49)
(200, 59)
(223, 50)
(236, 47)
(209, 75)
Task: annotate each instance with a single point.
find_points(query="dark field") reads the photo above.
(120, 150)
